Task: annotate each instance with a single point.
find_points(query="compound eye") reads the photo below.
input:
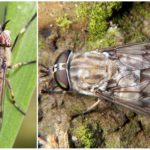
(61, 76)
(63, 57)
(62, 79)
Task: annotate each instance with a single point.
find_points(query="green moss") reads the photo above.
(63, 22)
(132, 23)
(113, 37)
(97, 15)
(85, 136)
(129, 133)
(41, 43)
(144, 10)
(89, 135)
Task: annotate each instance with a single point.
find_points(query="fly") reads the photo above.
(6, 49)
(120, 75)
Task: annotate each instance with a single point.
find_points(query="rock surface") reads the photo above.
(108, 126)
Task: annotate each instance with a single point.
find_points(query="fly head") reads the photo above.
(5, 39)
(61, 70)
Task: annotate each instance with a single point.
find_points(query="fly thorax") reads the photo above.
(5, 56)
(87, 70)
(2, 56)
(8, 56)
(5, 39)
(5, 47)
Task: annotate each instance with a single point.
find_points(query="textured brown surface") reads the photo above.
(109, 126)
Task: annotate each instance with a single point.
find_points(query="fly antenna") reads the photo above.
(45, 71)
(4, 25)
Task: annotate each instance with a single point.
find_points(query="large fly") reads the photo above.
(6, 48)
(120, 75)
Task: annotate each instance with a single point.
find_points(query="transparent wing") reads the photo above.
(138, 106)
(136, 56)
(131, 85)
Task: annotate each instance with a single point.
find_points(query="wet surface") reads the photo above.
(109, 125)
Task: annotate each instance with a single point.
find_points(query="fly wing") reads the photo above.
(130, 86)
(139, 106)
(137, 48)
(135, 56)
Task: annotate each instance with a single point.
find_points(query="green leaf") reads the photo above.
(2, 11)
(23, 81)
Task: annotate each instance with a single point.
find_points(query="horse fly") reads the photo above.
(120, 75)
(6, 49)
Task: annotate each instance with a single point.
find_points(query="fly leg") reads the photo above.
(91, 108)
(21, 64)
(23, 30)
(13, 99)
